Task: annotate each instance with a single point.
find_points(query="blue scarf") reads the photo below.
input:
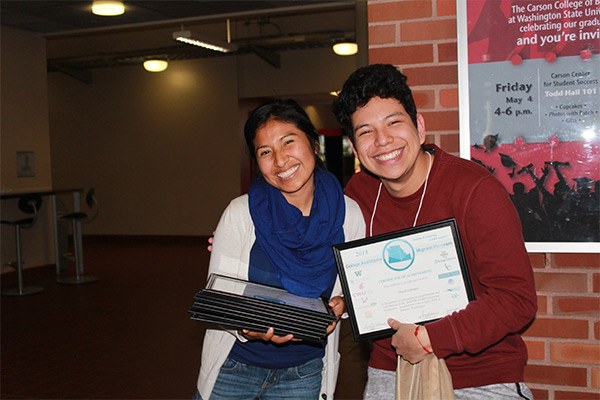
(299, 247)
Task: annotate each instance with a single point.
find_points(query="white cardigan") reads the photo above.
(230, 256)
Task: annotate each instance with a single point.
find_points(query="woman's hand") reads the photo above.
(210, 242)
(338, 306)
(268, 336)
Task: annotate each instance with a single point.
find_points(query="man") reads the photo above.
(407, 183)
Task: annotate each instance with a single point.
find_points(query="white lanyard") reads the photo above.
(420, 202)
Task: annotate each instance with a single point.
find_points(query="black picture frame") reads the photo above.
(239, 304)
(397, 267)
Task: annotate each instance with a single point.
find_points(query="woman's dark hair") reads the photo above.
(377, 80)
(286, 111)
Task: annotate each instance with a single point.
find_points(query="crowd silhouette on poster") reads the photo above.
(563, 213)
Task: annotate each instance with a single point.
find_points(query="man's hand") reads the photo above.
(410, 347)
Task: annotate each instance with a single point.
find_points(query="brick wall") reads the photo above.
(419, 36)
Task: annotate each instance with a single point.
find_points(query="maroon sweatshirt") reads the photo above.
(481, 344)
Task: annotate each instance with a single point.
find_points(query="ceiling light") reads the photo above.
(345, 49)
(108, 8)
(155, 65)
(208, 43)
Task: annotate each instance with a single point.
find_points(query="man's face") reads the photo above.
(387, 143)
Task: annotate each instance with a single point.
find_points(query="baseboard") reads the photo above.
(9, 276)
(144, 239)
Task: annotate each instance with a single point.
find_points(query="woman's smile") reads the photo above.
(288, 173)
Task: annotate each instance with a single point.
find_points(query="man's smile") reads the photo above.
(388, 156)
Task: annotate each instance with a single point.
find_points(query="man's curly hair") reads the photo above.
(377, 80)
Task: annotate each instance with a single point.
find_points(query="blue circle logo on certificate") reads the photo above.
(398, 255)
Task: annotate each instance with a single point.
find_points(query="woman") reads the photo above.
(280, 234)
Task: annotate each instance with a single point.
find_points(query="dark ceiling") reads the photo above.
(55, 17)
(58, 19)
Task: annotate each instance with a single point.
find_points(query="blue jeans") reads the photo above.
(237, 381)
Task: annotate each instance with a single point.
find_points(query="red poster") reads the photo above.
(529, 78)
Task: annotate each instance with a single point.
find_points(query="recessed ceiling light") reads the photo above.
(108, 8)
(345, 48)
(155, 65)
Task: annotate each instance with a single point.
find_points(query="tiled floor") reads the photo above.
(127, 336)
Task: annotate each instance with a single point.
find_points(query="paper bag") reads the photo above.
(427, 380)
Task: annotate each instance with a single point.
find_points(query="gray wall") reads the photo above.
(24, 127)
(163, 151)
(158, 148)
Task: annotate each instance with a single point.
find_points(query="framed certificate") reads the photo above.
(415, 275)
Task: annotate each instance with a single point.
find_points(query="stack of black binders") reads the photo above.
(239, 304)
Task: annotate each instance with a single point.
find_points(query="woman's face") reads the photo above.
(286, 160)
